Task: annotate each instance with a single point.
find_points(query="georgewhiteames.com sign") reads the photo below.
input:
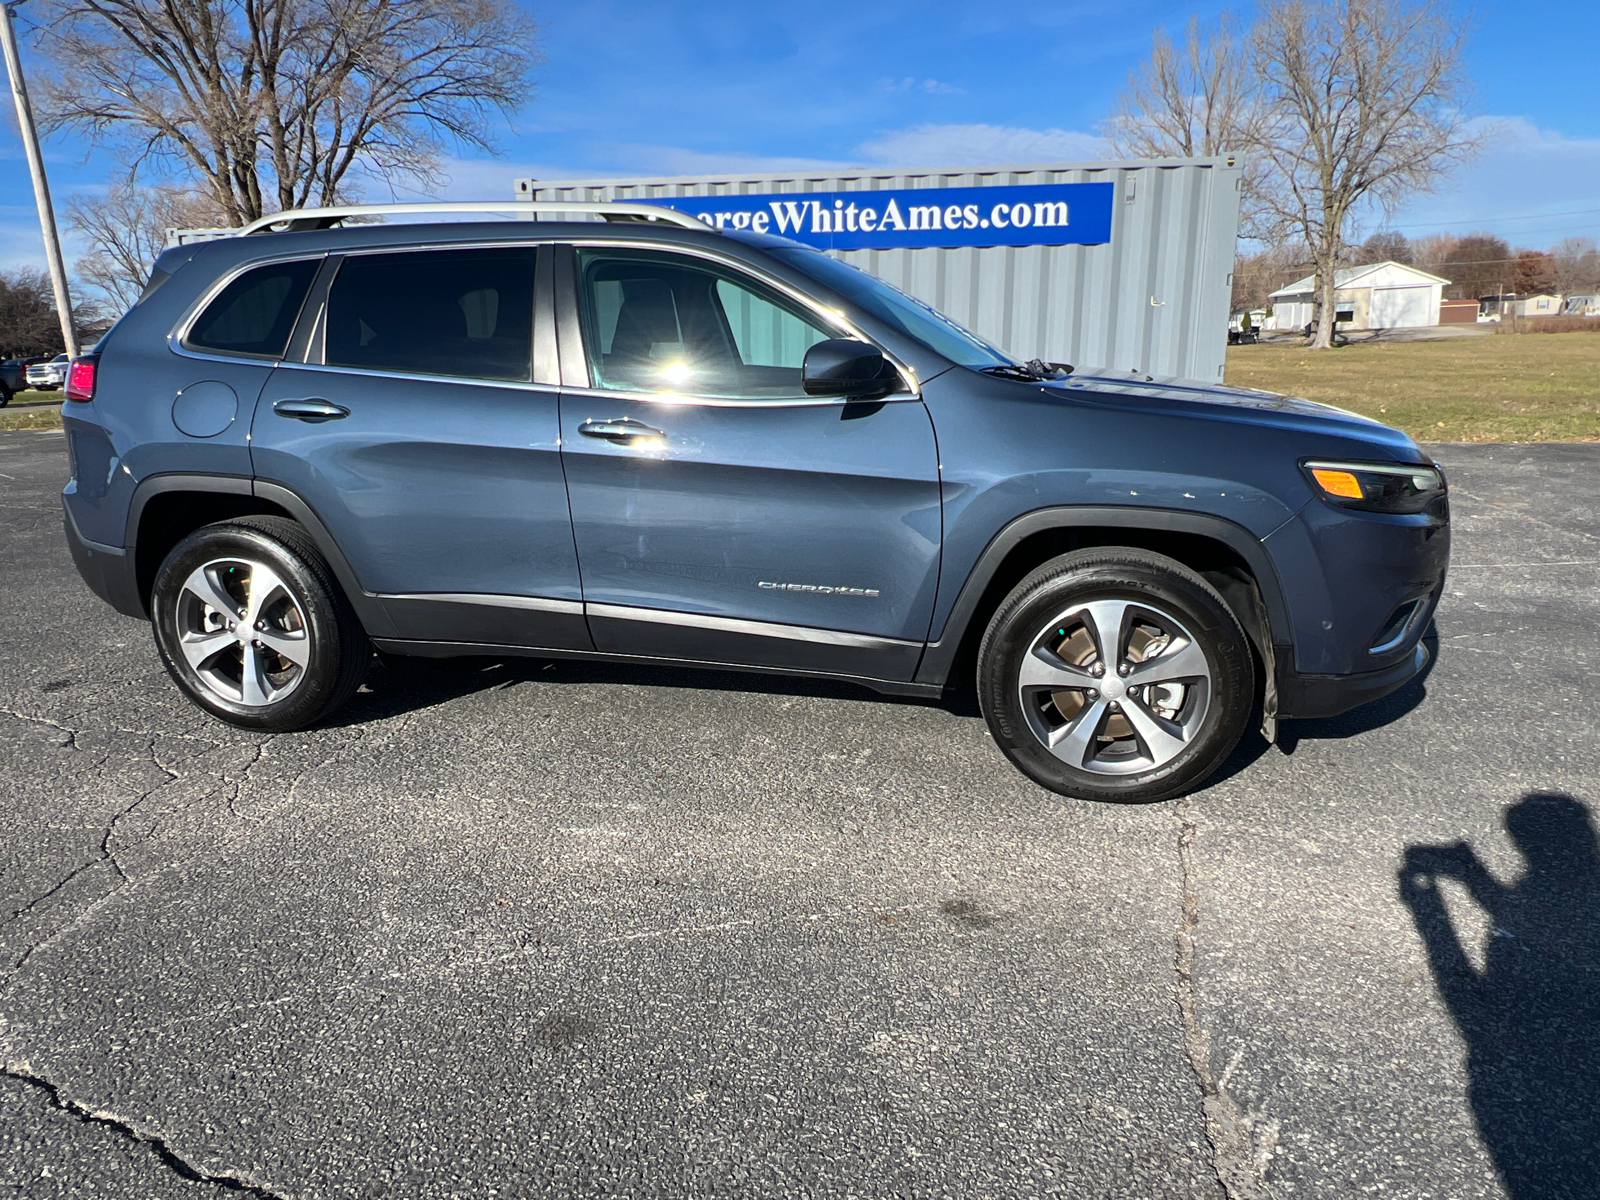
(1044, 214)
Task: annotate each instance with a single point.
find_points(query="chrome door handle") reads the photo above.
(310, 410)
(620, 430)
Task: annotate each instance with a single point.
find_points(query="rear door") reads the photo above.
(720, 513)
(416, 431)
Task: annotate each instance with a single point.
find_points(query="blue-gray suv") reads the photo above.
(639, 439)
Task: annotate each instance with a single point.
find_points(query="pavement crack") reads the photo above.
(72, 734)
(155, 1142)
(106, 856)
(1238, 1157)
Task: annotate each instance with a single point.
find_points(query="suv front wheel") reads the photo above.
(1115, 674)
(252, 625)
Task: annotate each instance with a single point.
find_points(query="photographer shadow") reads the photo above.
(1531, 1016)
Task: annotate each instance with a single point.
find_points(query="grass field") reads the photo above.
(32, 410)
(1538, 387)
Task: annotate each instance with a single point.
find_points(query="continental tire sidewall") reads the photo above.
(1127, 575)
(323, 610)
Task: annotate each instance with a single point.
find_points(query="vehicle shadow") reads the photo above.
(1531, 1015)
(397, 685)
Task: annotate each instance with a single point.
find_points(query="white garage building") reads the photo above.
(1386, 295)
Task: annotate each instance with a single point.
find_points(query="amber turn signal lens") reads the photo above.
(1338, 483)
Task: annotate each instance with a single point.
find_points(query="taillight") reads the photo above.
(80, 379)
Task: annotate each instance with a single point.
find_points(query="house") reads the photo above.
(1582, 304)
(1542, 305)
(1386, 295)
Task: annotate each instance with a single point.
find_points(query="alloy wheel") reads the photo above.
(1115, 687)
(243, 632)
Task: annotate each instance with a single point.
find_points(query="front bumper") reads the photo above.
(1303, 696)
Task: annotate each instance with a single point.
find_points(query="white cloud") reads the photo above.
(917, 146)
(932, 87)
(1532, 186)
(981, 145)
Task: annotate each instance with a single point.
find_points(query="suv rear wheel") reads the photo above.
(1115, 674)
(252, 625)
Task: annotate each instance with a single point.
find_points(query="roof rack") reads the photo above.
(301, 219)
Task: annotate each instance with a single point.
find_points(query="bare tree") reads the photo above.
(127, 229)
(28, 324)
(1577, 265)
(1257, 276)
(1193, 100)
(1361, 106)
(1387, 245)
(1477, 265)
(274, 104)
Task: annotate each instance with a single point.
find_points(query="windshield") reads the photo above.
(889, 304)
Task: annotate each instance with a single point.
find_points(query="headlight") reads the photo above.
(1378, 487)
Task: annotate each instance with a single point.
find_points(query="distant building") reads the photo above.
(1582, 304)
(1386, 295)
(1542, 305)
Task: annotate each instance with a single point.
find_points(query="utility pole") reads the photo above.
(41, 186)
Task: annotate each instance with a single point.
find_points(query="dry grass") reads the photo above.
(26, 412)
(1536, 388)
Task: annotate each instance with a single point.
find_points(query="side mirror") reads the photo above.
(845, 367)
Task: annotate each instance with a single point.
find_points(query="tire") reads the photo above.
(5, 395)
(1071, 723)
(313, 653)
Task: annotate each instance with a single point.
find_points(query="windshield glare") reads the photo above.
(889, 304)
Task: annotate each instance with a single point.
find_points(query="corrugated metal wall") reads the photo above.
(1154, 299)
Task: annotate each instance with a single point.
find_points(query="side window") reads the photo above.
(256, 312)
(435, 312)
(668, 323)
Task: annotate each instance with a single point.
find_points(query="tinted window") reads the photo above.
(437, 312)
(255, 312)
(667, 323)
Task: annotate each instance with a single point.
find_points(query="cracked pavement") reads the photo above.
(524, 928)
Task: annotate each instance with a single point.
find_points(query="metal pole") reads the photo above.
(41, 186)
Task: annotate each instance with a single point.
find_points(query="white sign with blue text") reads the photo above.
(1043, 214)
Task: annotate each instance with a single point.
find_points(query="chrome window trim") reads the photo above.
(469, 380)
(178, 338)
(674, 400)
(767, 629)
(572, 608)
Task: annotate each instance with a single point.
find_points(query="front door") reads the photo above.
(416, 433)
(720, 513)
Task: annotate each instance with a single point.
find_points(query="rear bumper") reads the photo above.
(1329, 695)
(108, 570)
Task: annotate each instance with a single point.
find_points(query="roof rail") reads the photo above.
(298, 220)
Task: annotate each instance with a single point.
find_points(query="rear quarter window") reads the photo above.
(255, 314)
(465, 313)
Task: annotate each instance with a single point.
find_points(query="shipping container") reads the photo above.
(1144, 288)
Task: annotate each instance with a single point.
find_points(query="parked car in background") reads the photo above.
(48, 376)
(13, 379)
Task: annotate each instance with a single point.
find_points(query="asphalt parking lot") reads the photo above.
(522, 928)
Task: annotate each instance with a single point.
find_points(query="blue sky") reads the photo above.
(634, 87)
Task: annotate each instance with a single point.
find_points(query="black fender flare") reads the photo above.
(939, 658)
(368, 607)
